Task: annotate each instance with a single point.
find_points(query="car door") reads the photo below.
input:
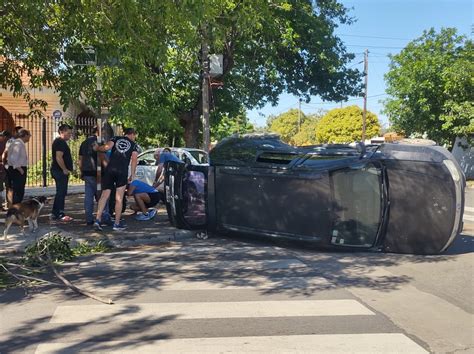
(186, 195)
(146, 167)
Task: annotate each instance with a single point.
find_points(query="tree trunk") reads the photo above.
(191, 123)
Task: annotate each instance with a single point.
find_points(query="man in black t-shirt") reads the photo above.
(123, 150)
(61, 168)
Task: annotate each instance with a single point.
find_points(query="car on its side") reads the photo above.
(391, 197)
(147, 164)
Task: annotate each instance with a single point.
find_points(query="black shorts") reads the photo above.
(113, 179)
(154, 199)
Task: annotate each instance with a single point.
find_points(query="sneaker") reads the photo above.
(119, 227)
(142, 216)
(66, 218)
(97, 225)
(152, 212)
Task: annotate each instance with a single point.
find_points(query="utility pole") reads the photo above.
(299, 115)
(98, 82)
(366, 76)
(205, 88)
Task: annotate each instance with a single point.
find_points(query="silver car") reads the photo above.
(147, 164)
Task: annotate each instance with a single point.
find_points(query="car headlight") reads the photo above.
(453, 170)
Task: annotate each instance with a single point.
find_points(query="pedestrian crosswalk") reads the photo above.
(188, 307)
(468, 215)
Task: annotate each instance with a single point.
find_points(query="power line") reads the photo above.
(351, 100)
(372, 46)
(377, 37)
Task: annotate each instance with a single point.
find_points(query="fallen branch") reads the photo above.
(21, 277)
(33, 270)
(72, 286)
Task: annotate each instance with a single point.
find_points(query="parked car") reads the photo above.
(147, 165)
(391, 197)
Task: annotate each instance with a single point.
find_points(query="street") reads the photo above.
(240, 295)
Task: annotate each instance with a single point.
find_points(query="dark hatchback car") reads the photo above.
(390, 197)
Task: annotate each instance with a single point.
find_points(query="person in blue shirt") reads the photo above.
(161, 158)
(146, 197)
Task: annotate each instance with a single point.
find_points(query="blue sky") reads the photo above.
(394, 23)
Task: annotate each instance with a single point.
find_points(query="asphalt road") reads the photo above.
(239, 295)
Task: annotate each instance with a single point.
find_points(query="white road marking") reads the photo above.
(324, 343)
(206, 310)
(469, 209)
(468, 217)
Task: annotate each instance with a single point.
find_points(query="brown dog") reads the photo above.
(28, 210)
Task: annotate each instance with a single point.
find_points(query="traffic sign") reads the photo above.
(57, 114)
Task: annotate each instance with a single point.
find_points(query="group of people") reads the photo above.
(117, 159)
(113, 160)
(14, 167)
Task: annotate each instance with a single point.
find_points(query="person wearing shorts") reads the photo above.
(124, 150)
(145, 197)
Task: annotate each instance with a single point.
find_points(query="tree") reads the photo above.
(287, 124)
(308, 132)
(268, 46)
(227, 125)
(431, 86)
(344, 125)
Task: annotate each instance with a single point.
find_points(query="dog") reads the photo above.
(28, 210)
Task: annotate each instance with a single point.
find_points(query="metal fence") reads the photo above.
(43, 132)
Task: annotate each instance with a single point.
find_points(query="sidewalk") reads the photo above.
(138, 233)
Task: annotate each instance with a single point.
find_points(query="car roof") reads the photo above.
(172, 149)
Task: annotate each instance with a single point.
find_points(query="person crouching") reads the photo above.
(146, 197)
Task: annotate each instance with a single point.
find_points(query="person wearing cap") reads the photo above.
(18, 166)
(124, 150)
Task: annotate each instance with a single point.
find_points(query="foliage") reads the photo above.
(344, 125)
(287, 124)
(56, 244)
(26, 269)
(307, 135)
(88, 247)
(5, 279)
(227, 125)
(431, 82)
(150, 63)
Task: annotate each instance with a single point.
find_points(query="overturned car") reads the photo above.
(391, 197)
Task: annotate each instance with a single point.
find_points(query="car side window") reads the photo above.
(146, 159)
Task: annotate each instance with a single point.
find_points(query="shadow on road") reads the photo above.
(38, 330)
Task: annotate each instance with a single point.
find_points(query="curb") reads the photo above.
(121, 241)
(51, 191)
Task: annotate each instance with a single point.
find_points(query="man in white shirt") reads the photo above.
(8, 188)
(18, 166)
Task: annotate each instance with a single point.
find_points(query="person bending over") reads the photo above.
(145, 197)
(123, 150)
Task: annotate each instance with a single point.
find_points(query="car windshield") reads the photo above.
(200, 156)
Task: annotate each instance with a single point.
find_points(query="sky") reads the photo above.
(382, 27)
